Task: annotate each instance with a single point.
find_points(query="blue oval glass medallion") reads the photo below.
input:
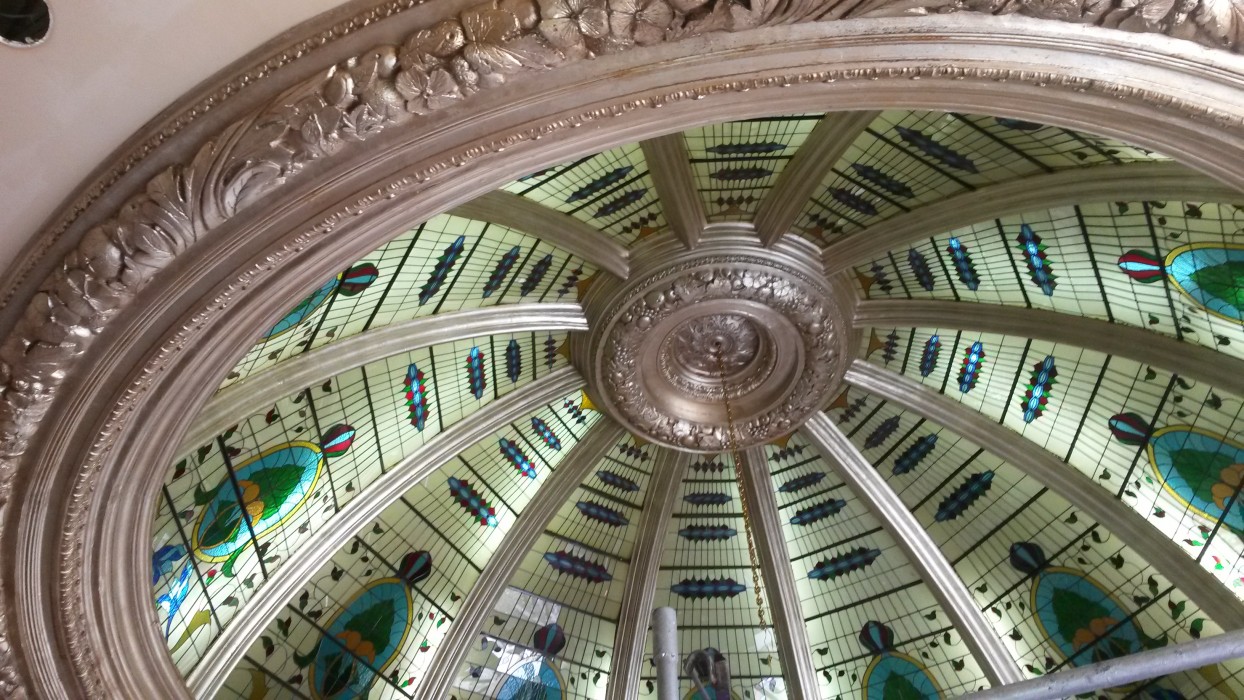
(273, 484)
(373, 625)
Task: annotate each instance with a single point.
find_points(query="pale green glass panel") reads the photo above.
(733, 180)
(730, 624)
(1089, 390)
(1017, 508)
(372, 400)
(1082, 249)
(611, 191)
(887, 590)
(426, 518)
(405, 266)
(587, 610)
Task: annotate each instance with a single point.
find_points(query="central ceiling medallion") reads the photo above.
(662, 341)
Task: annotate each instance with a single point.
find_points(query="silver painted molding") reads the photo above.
(987, 647)
(669, 166)
(142, 294)
(549, 225)
(1144, 665)
(785, 613)
(806, 171)
(769, 312)
(220, 659)
(325, 362)
(1214, 599)
(1104, 183)
(668, 469)
(510, 554)
(1198, 362)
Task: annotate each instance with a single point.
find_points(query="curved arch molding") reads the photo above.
(268, 601)
(126, 317)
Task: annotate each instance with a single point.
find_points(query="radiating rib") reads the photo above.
(1214, 599)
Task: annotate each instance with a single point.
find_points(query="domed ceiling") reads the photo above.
(983, 378)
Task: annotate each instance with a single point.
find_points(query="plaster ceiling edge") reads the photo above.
(77, 613)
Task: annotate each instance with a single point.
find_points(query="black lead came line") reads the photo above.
(319, 431)
(237, 491)
(1088, 247)
(185, 540)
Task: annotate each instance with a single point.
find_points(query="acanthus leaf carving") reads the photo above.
(390, 86)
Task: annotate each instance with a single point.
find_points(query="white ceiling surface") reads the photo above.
(105, 69)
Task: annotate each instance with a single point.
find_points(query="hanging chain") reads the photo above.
(739, 466)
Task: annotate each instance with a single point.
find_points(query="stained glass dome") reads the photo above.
(994, 429)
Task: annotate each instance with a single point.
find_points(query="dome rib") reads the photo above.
(817, 156)
(518, 542)
(669, 164)
(566, 232)
(1192, 361)
(669, 468)
(1101, 183)
(1216, 600)
(220, 659)
(856, 470)
(786, 616)
(319, 365)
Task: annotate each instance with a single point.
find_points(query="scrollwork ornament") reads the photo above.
(392, 86)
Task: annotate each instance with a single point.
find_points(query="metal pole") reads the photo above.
(1140, 666)
(665, 652)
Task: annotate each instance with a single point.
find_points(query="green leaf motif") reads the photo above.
(276, 484)
(899, 688)
(1225, 281)
(375, 624)
(1200, 469)
(223, 527)
(1177, 610)
(1074, 612)
(338, 671)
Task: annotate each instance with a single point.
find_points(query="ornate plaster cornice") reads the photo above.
(294, 48)
(1198, 362)
(206, 679)
(1214, 23)
(314, 367)
(639, 593)
(518, 542)
(923, 553)
(130, 254)
(1163, 181)
(1164, 554)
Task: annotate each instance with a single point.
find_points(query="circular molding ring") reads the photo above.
(768, 314)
